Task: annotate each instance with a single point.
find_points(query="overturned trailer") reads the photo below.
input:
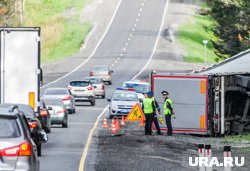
(215, 101)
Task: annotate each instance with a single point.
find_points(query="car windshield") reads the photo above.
(125, 97)
(79, 83)
(100, 69)
(27, 110)
(139, 88)
(94, 80)
(9, 128)
(53, 102)
(56, 92)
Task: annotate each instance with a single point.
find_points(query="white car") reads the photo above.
(83, 91)
(99, 86)
(103, 72)
(122, 102)
(64, 94)
(138, 86)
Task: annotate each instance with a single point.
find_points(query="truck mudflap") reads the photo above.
(190, 101)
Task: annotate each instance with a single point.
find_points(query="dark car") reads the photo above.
(17, 149)
(45, 117)
(34, 124)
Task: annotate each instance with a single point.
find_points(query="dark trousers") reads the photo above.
(157, 124)
(148, 124)
(169, 125)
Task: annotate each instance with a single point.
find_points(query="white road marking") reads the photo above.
(121, 54)
(126, 44)
(124, 49)
(131, 35)
(78, 123)
(137, 20)
(140, 9)
(118, 58)
(135, 25)
(116, 61)
(85, 152)
(113, 65)
(129, 39)
(133, 29)
(142, 4)
(156, 42)
(93, 52)
(139, 14)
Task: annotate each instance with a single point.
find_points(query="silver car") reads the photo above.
(122, 102)
(57, 110)
(64, 94)
(103, 72)
(17, 150)
(99, 86)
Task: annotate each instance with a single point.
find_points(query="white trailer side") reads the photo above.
(20, 65)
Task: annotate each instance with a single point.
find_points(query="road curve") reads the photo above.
(126, 48)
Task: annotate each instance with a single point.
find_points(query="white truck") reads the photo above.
(21, 74)
(215, 101)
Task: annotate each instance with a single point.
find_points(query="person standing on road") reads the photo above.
(155, 120)
(148, 110)
(168, 111)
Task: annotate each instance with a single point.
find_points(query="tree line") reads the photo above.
(232, 26)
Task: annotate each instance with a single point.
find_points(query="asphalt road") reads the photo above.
(126, 48)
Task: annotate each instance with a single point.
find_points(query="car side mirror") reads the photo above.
(95, 86)
(112, 71)
(42, 136)
(109, 100)
(49, 108)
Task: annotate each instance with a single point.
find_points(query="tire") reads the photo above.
(103, 96)
(65, 123)
(74, 110)
(70, 111)
(39, 149)
(110, 82)
(111, 116)
(48, 130)
(92, 103)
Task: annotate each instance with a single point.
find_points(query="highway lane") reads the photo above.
(126, 48)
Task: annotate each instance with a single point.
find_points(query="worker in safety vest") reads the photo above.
(148, 108)
(168, 111)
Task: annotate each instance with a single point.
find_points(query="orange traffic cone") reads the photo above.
(112, 123)
(105, 124)
(113, 130)
(117, 125)
(141, 123)
(123, 122)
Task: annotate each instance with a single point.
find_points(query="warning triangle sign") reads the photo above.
(135, 114)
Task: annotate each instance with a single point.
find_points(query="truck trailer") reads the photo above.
(214, 101)
(20, 66)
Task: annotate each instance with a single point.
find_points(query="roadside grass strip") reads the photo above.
(62, 31)
(191, 35)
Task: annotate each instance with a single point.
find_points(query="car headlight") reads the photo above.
(114, 107)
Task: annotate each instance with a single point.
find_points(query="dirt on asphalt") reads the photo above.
(131, 150)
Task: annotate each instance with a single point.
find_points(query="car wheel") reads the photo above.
(65, 123)
(111, 116)
(110, 82)
(92, 103)
(74, 110)
(48, 130)
(103, 96)
(39, 149)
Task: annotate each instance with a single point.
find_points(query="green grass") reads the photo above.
(236, 138)
(191, 36)
(62, 32)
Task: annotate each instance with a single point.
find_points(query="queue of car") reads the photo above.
(23, 131)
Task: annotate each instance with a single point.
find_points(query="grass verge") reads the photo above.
(62, 31)
(191, 36)
(236, 138)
